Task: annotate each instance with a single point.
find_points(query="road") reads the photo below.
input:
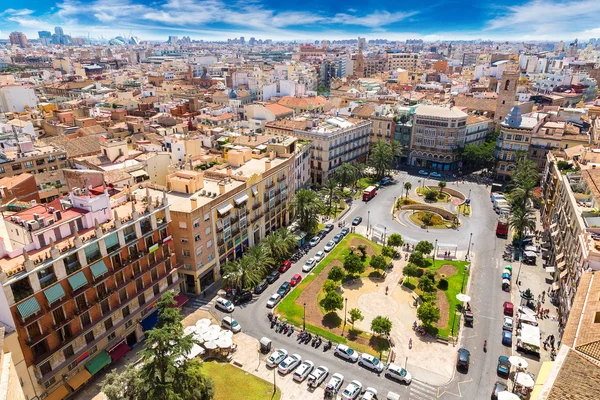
(485, 290)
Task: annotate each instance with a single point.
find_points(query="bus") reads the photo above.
(369, 193)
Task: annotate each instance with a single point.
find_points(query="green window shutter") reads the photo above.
(92, 249)
(54, 293)
(78, 280)
(28, 308)
(111, 240)
(98, 269)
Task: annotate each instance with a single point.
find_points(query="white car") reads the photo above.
(308, 265)
(276, 357)
(314, 241)
(336, 381)
(369, 394)
(352, 391)
(224, 304)
(508, 324)
(329, 246)
(318, 376)
(303, 371)
(319, 256)
(367, 360)
(231, 324)
(398, 373)
(346, 352)
(288, 365)
(273, 300)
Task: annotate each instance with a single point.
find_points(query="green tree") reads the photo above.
(381, 325)
(329, 286)
(428, 313)
(331, 192)
(363, 250)
(359, 172)
(425, 247)
(122, 386)
(431, 195)
(417, 258)
(410, 270)
(381, 158)
(441, 185)
(407, 187)
(306, 206)
(426, 218)
(355, 315)
(389, 252)
(353, 264)
(336, 274)
(242, 272)
(289, 240)
(395, 240)
(426, 284)
(260, 258)
(522, 220)
(378, 263)
(165, 372)
(345, 175)
(332, 301)
(476, 157)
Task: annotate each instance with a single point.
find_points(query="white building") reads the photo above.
(16, 98)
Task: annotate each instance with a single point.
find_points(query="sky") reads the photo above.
(513, 20)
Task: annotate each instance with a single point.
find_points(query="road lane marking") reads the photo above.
(459, 395)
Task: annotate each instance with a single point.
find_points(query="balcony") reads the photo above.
(43, 334)
(129, 237)
(269, 185)
(32, 318)
(59, 324)
(93, 257)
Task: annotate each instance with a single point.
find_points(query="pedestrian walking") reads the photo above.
(410, 343)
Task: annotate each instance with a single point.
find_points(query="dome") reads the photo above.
(232, 94)
(514, 118)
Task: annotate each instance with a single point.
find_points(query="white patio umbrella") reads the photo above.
(190, 329)
(198, 337)
(225, 333)
(210, 335)
(525, 380)
(505, 395)
(463, 297)
(214, 328)
(210, 345)
(195, 351)
(517, 361)
(224, 342)
(203, 323)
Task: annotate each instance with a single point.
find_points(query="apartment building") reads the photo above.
(335, 140)
(11, 387)
(397, 59)
(81, 277)
(437, 134)
(26, 157)
(478, 128)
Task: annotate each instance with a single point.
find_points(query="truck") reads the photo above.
(369, 193)
(502, 227)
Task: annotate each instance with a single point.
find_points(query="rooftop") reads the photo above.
(425, 110)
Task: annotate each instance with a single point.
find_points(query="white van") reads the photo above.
(231, 324)
(393, 396)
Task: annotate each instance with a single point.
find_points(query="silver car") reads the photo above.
(398, 373)
(318, 376)
(276, 357)
(273, 300)
(367, 360)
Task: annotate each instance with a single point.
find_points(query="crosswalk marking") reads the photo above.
(422, 391)
(198, 303)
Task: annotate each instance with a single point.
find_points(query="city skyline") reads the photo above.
(218, 20)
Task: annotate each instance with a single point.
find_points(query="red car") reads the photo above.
(287, 264)
(295, 280)
(508, 308)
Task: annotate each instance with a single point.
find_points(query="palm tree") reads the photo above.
(396, 149)
(407, 187)
(306, 206)
(381, 158)
(261, 258)
(345, 175)
(441, 185)
(330, 190)
(288, 239)
(359, 172)
(521, 220)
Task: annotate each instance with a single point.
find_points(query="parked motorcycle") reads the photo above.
(327, 346)
(290, 331)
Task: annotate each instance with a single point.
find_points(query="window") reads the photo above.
(128, 324)
(197, 238)
(210, 257)
(196, 223)
(126, 311)
(206, 217)
(141, 299)
(182, 225)
(186, 253)
(199, 250)
(45, 368)
(207, 231)
(184, 240)
(112, 336)
(28, 164)
(89, 337)
(156, 289)
(85, 319)
(108, 324)
(68, 351)
(209, 244)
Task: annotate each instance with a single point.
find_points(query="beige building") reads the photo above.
(13, 380)
(406, 61)
(31, 159)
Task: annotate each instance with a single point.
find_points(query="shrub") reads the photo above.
(419, 273)
(329, 286)
(436, 220)
(431, 194)
(442, 284)
(363, 250)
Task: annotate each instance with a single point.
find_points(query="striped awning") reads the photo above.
(79, 379)
(224, 209)
(98, 362)
(28, 307)
(98, 269)
(54, 293)
(58, 394)
(78, 280)
(240, 199)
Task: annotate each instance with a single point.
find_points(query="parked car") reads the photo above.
(288, 365)
(231, 324)
(336, 381)
(369, 394)
(295, 279)
(261, 287)
(318, 376)
(319, 256)
(329, 246)
(498, 387)
(423, 172)
(435, 175)
(352, 391)
(346, 352)
(338, 238)
(314, 241)
(243, 297)
(308, 265)
(464, 356)
(345, 231)
(509, 309)
(224, 304)
(322, 233)
(370, 362)
(507, 324)
(303, 370)
(503, 369)
(328, 228)
(273, 276)
(506, 338)
(356, 221)
(284, 288)
(386, 180)
(287, 264)
(398, 373)
(276, 357)
(273, 300)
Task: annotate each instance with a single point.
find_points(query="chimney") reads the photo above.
(267, 164)
(229, 171)
(194, 202)
(221, 188)
(271, 155)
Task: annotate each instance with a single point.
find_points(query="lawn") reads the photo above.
(294, 312)
(231, 382)
(441, 197)
(437, 222)
(464, 209)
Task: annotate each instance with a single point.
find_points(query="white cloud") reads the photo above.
(374, 20)
(11, 12)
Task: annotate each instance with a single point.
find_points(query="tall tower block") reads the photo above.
(507, 93)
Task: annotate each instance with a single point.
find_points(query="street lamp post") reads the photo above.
(434, 250)
(304, 318)
(519, 273)
(345, 313)
(384, 234)
(394, 207)
(368, 219)
(469, 248)
(462, 285)
(469, 194)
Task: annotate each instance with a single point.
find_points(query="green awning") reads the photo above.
(78, 280)
(54, 293)
(98, 362)
(98, 269)
(28, 308)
